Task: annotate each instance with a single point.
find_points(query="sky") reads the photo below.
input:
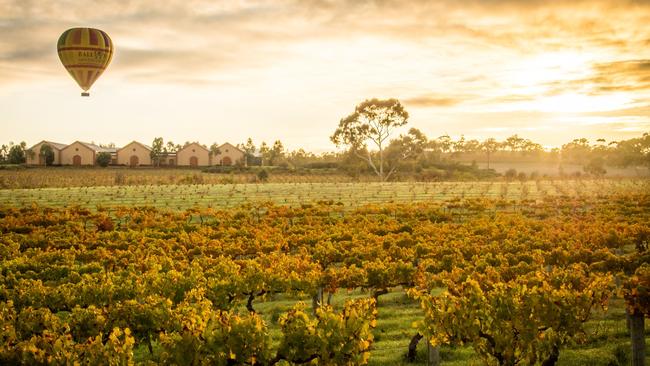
(217, 71)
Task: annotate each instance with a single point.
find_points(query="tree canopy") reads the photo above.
(372, 122)
(47, 153)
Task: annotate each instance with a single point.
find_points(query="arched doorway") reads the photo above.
(133, 162)
(171, 162)
(76, 160)
(194, 161)
(226, 160)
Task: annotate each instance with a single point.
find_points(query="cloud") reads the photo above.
(607, 77)
(511, 98)
(641, 108)
(228, 35)
(25, 54)
(628, 75)
(183, 38)
(434, 101)
(459, 49)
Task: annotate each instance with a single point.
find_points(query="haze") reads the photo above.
(289, 70)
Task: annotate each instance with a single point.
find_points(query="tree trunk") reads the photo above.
(317, 300)
(149, 346)
(433, 358)
(628, 322)
(637, 335)
(553, 357)
(377, 293)
(413, 347)
(488, 160)
(249, 302)
(381, 163)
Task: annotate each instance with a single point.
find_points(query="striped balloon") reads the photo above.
(85, 53)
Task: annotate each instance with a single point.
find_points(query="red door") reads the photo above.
(194, 161)
(76, 160)
(134, 161)
(226, 161)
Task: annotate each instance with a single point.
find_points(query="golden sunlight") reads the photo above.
(537, 73)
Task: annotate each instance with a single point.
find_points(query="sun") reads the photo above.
(536, 74)
(557, 82)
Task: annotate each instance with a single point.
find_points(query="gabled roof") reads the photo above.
(98, 148)
(92, 147)
(231, 145)
(56, 145)
(192, 144)
(135, 142)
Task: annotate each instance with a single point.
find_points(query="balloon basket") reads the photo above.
(85, 94)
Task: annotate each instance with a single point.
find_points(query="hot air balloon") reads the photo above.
(85, 53)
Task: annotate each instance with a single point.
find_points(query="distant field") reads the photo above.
(60, 177)
(553, 169)
(348, 194)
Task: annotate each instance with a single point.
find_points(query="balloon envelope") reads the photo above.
(85, 53)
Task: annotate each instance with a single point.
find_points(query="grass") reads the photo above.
(607, 341)
(607, 336)
(180, 197)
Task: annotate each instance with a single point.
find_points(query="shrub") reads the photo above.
(322, 165)
(522, 176)
(596, 167)
(47, 153)
(511, 173)
(225, 169)
(263, 175)
(16, 154)
(191, 179)
(622, 354)
(120, 178)
(103, 159)
(104, 223)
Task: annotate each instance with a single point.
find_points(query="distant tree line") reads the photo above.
(414, 145)
(370, 146)
(367, 135)
(13, 153)
(413, 152)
